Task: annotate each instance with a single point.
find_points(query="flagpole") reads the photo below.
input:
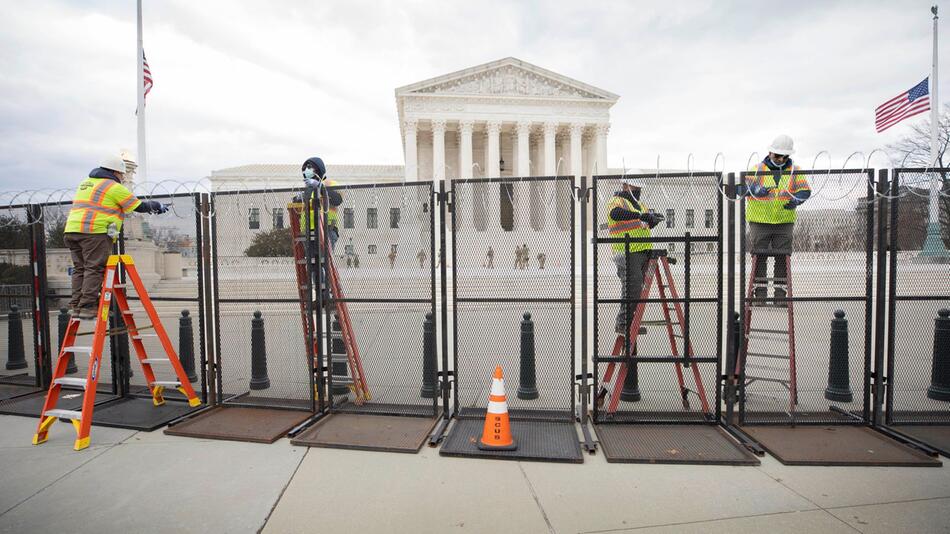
(142, 170)
(933, 246)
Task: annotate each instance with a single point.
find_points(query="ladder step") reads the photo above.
(70, 381)
(762, 355)
(655, 323)
(167, 383)
(150, 361)
(769, 331)
(765, 379)
(75, 349)
(140, 336)
(64, 414)
(132, 312)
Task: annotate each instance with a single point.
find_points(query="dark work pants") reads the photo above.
(771, 240)
(89, 253)
(630, 271)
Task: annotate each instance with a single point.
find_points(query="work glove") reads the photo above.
(311, 182)
(652, 219)
(757, 190)
(794, 203)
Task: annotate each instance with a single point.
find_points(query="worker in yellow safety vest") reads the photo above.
(774, 189)
(324, 193)
(94, 222)
(627, 215)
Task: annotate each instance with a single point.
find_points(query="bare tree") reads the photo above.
(914, 151)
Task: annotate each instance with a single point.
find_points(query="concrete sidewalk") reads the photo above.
(148, 482)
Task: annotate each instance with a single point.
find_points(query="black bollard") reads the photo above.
(429, 386)
(186, 345)
(731, 358)
(839, 381)
(339, 364)
(16, 358)
(259, 378)
(62, 324)
(631, 381)
(527, 389)
(940, 372)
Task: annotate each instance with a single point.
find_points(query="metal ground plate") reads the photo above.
(9, 391)
(416, 410)
(536, 440)
(671, 444)
(936, 436)
(368, 432)
(258, 425)
(139, 413)
(31, 405)
(836, 445)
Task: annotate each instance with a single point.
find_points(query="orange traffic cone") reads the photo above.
(496, 435)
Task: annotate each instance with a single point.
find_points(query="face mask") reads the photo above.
(309, 173)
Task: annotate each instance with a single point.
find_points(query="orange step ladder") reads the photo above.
(111, 289)
(657, 269)
(355, 364)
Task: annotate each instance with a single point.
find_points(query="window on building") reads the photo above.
(348, 250)
(254, 219)
(671, 248)
(277, 214)
(372, 218)
(710, 219)
(690, 218)
(507, 211)
(348, 218)
(371, 249)
(670, 218)
(394, 217)
(710, 247)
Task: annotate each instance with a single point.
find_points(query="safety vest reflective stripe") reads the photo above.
(85, 204)
(634, 228)
(126, 202)
(623, 226)
(99, 192)
(770, 208)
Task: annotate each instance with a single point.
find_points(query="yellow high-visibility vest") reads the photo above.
(331, 213)
(98, 203)
(770, 208)
(632, 228)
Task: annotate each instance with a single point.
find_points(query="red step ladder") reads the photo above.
(658, 267)
(111, 289)
(355, 364)
(770, 335)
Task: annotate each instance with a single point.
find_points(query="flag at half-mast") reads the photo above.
(914, 101)
(147, 74)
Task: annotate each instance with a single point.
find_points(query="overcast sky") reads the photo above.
(240, 82)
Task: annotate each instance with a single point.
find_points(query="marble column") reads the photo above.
(493, 130)
(465, 147)
(411, 127)
(524, 154)
(492, 206)
(438, 150)
(600, 160)
(522, 189)
(577, 161)
(550, 159)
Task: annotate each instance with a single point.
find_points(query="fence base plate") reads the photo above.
(936, 436)
(138, 413)
(258, 425)
(835, 445)
(368, 432)
(671, 444)
(9, 391)
(536, 440)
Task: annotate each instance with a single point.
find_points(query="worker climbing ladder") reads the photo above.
(658, 270)
(748, 358)
(112, 290)
(357, 384)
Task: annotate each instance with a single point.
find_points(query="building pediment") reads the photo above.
(507, 77)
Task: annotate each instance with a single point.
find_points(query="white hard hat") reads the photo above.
(783, 145)
(113, 163)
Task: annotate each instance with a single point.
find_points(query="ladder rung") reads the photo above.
(131, 312)
(70, 381)
(64, 414)
(769, 331)
(140, 336)
(340, 380)
(155, 360)
(764, 379)
(167, 383)
(761, 355)
(654, 323)
(75, 349)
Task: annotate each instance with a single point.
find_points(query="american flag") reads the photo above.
(907, 104)
(147, 74)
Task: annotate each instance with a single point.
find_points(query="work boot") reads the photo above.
(86, 313)
(780, 295)
(760, 294)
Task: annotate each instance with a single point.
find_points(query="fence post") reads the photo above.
(839, 379)
(940, 372)
(186, 345)
(259, 378)
(429, 386)
(62, 324)
(527, 388)
(15, 356)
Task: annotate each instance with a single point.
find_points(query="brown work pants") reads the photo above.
(89, 253)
